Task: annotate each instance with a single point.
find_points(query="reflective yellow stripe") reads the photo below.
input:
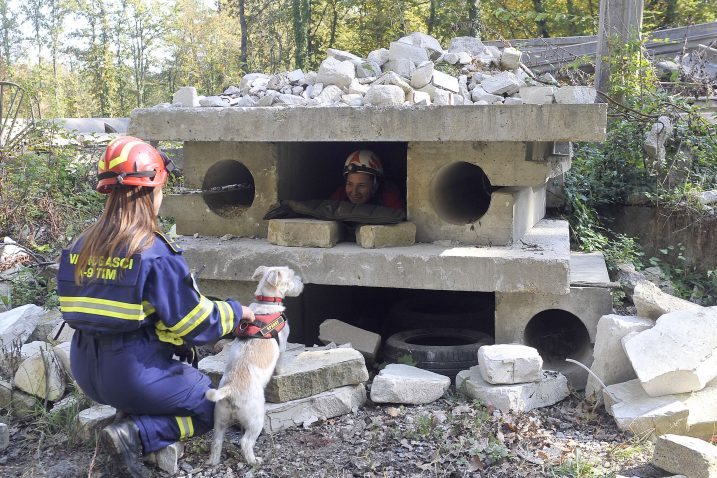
(227, 314)
(103, 307)
(101, 165)
(123, 154)
(148, 308)
(186, 427)
(190, 321)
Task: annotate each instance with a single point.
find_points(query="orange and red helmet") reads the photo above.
(363, 161)
(129, 161)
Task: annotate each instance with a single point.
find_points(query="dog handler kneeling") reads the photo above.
(128, 293)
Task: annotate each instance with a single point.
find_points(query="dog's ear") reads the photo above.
(258, 273)
(275, 277)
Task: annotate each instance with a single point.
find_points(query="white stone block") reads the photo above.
(402, 66)
(341, 55)
(512, 101)
(575, 95)
(357, 88)
(464, 58)
(296, 76)
(385, 95)
(479, 94)
(214, 101)
(213, 366)
(33, 348)
(41, 375)
(652, 303)
(339, 332)
(504, 82)
(398, 383)
(510, 58)
(329, 404)
(537, 95)
(450, 58)
(303, 232)
(95, 418)
(186, 96)
(16, 326)
(679, 354)
(509, 364)
(368, 69)
(445, 81)
(421, 98)
(609, 360)
(248, 80)
(290, 100)
(400, 50)
(428, 42)
(685, 455)
(422, 75)
(520, 397)
(167, 458)
(330, 94)
(379, 56)
(335, 72)
(354, 99)
(470, 45)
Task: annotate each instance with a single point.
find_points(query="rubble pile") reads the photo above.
(412, 71)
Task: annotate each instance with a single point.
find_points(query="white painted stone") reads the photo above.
(510, 58)
(520, 397)
(380, 56)
(537, 95)
(512, 101)
(167, 458)
(16, 326)
(315, 371)
(445, 81)
(574, 95)
(402, 66)
(325, 405)
(296, 76)
(186, 96)
(609, 360)
(41, 375)
(422, 75)
(509, 364)
(339, 332)
(368, 69)
(214, 101)
(385, 95)
(504, 82)
(470, 45)
(95, 418)
(400, 50)
(685, 455)
(652, 303)
(679, 354)
(4, 436)
(399, 383)
(335, 72)
(341, 55)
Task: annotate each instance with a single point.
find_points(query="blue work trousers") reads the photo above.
(135, 373)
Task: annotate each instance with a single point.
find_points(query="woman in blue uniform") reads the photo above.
(128, 293)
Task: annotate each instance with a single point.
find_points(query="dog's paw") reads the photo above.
(256, 461)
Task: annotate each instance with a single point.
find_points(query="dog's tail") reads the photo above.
(218, 394)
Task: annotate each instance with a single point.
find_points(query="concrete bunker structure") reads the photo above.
(474, 179)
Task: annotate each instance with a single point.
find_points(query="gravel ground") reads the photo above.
(452, 437)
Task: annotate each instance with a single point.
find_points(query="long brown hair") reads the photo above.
(127, 226)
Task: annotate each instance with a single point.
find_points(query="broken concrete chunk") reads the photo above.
(379, 56)
(398, 383)
(16, 326)
(502, 83)
(552, 388)
(575, 95)
(400, 50)
(537, 95)
(422, 75)
(368, 69)
(510, 58)
(41, 375)
(335, 72)
(376, 236)
(470, 45)
(339, 332)
(402, 66)
(385, 95)
(609, 360)
(679, 354)
(685, 455)
(509, 364)
(95, 418)
(186, 97)
(341, 55)
(447, 82)
(167, 458)
(652, 303)
(303, 232)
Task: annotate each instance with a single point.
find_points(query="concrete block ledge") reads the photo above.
(543, 253)
(555, 122)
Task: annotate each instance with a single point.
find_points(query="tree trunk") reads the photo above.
(431, 17)
(334, 24)
(473, 25)
(299, 34)
(243, 54)
(542, 24)
(572, 27)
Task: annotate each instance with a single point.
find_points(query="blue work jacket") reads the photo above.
(151, 289)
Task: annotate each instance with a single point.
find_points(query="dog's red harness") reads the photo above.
(264, 326)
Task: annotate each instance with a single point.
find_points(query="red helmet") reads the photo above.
(363, 161)
(130, 161)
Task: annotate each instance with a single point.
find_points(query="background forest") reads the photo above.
(84, 58)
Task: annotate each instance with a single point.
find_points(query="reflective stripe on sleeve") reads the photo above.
(195, 317)
(186, 427)
(227, 315)
(103, 307)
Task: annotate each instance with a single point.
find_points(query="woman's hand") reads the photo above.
(247, 314)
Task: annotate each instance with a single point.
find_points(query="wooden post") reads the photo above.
(619, 20)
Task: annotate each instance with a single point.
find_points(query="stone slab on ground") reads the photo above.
(339, 332)
(304, 232)
(374, 236)
(609, 360)
(679, 354)
(49, 321)
(16, 326)
(508, 364)
(486, 269)
(305, 411)
(167, 458)
(41, 375)
(93, 419)
(520, 397)
(588, 269)
(652, 303)
(685, 455)
(399, 383)
(315, 371)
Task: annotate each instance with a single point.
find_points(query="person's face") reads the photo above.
(359, 187)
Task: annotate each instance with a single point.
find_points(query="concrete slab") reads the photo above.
(685, 455)
(376, 236)
(339, 332)
(399, 383)
(543, 253)
(508, 364)
(304, 232)
(589, 269)
(423, 123)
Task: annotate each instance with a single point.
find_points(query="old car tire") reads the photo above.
(443, 351)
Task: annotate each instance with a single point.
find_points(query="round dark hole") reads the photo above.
(461, 193)
(234, 200)
(439, 341)
(557, 335)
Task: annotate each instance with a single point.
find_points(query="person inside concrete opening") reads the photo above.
(364, 182)
(127, 291)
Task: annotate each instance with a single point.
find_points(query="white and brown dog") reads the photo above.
(251, 362)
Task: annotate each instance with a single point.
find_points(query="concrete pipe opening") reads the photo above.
(460, 193)
(557, 335)
(228, 188)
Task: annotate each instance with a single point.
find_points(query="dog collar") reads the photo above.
(264, 326)
(264, 298)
